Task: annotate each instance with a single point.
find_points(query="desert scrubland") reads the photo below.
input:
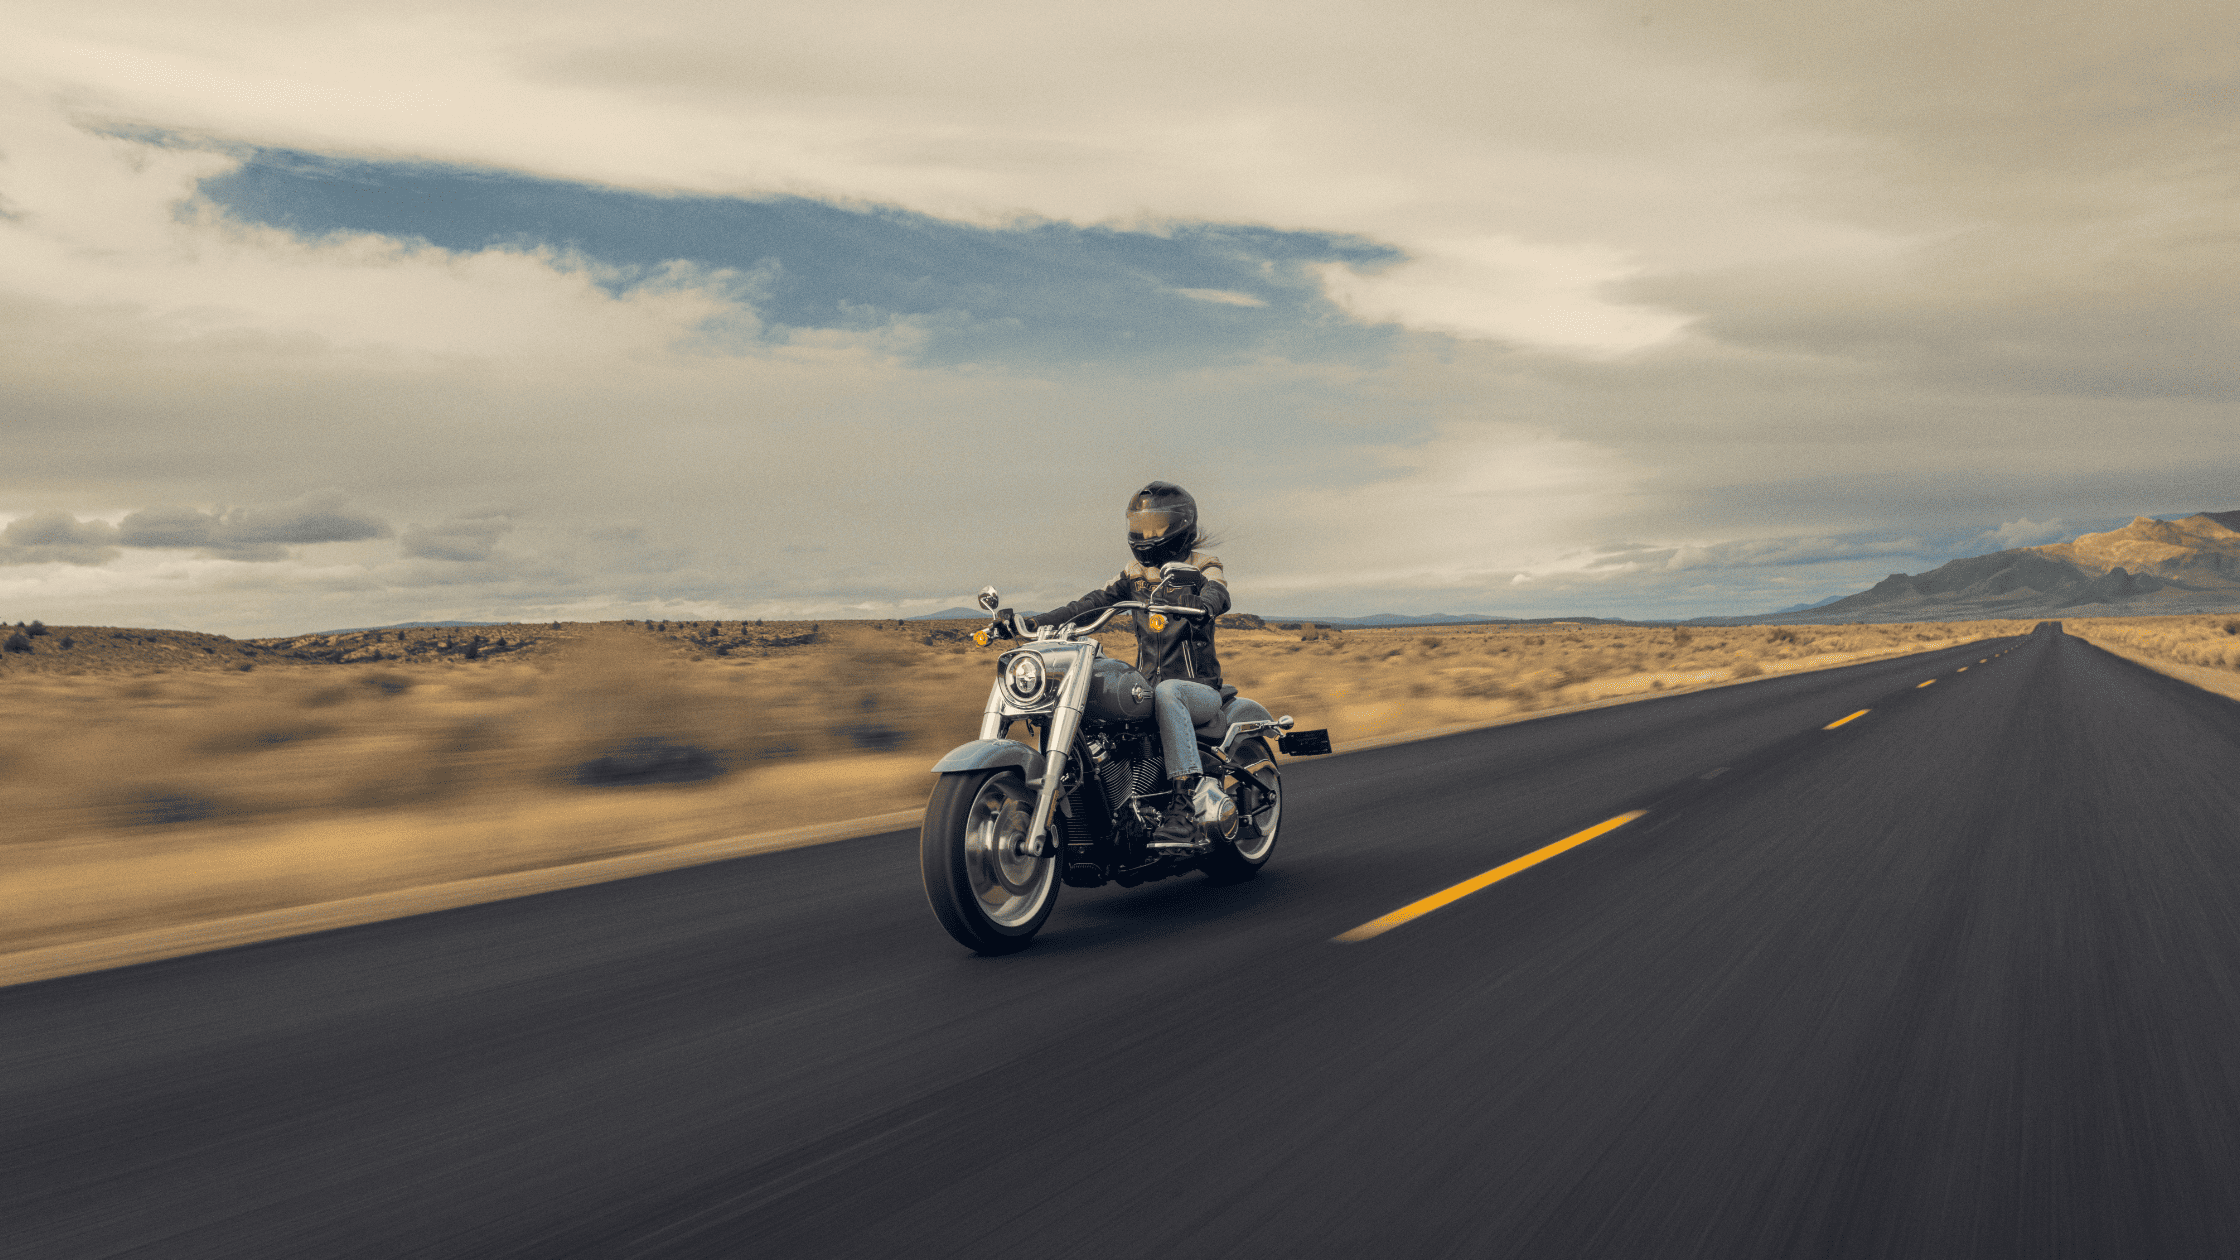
(2203, 650)
(156, 778)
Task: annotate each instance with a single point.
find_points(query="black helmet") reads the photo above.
(1162, 523)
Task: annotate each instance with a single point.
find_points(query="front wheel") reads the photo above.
(987, 890)
(1258, 791)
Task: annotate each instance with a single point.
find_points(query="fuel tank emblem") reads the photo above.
(1136, 690)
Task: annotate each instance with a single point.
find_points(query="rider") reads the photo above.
(1179, 659)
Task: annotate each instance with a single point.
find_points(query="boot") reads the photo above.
(1178, 827)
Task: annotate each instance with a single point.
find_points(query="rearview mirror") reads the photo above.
(988, 598)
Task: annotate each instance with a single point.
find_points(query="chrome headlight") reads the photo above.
(1024, 677)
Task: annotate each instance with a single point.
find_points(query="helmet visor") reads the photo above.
(1149, 525)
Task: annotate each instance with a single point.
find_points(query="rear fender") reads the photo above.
(1243, 710)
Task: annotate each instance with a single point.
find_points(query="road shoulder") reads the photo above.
(2216, 681)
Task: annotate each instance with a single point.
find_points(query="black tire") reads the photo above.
(983, 888)
(1241, 856)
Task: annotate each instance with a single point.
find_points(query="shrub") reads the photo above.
(874, 736)
(1781, 634)
(37, 629)
(159, 809)
(649, 760)
(2232, 627)
(17, 642)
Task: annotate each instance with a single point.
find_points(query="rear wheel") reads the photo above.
(1258, 791)
(985, 888)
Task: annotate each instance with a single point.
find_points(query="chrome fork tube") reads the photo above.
(1065, 722)
(991, 718)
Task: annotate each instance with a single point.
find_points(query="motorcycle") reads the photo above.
(1011, 820)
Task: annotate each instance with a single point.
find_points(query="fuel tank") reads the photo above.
(1117, 693)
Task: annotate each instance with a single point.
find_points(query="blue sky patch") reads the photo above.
(1035, 292)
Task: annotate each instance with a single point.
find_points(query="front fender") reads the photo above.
(988, 754)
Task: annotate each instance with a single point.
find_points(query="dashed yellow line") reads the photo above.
(1846, 718)
(1448, 896)
(1931, 683)
(1963, 669)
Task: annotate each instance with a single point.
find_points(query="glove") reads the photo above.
(1005, 619)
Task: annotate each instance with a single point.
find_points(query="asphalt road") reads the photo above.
(1960, 977)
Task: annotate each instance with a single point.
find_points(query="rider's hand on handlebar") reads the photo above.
(1186, 576)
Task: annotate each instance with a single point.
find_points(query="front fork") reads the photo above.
(1057, 744)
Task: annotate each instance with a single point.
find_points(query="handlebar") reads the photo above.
(1107, 613)
(1079, 629)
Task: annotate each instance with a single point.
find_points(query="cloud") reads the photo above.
(57, 538)
(240, 533)
(251, 533)
(465, 539)
(691, 284)
(1764, 552)
(1224, 297)
(2025, 533)
(1033, 290)
(1527, 123)
(1510, 290)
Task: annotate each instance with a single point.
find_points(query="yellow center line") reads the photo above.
(1931, 683)
(1448, 896)
(1962, 670)
(1848, 717)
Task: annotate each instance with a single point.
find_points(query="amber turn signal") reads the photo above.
(980, 637)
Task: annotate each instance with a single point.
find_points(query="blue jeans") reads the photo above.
(1181, 706)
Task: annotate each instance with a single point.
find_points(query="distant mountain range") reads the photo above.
(1397, 619)
(1797, 608)
(1357, 623)
(2147, 568)
(417, 625)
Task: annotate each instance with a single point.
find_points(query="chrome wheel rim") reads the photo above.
(1009, 884)
(1270, 816)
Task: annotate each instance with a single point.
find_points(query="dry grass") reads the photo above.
(1369, 683)
(140, 797)
(2212, 642)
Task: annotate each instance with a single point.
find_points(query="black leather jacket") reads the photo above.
(1185, 648)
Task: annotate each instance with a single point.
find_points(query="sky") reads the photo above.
(321, 316)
